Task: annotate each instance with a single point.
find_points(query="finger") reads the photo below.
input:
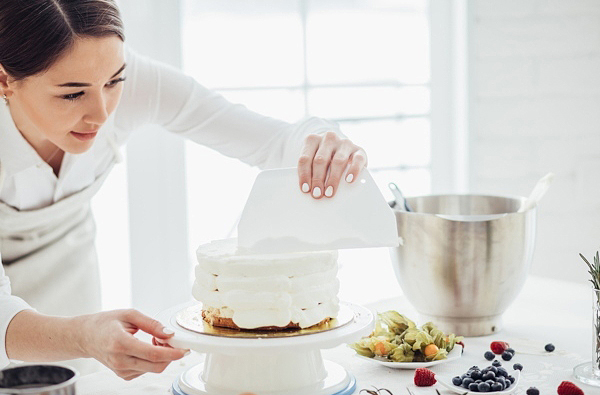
(311, 144)
(339, 163)
(128, 374)
(133, 376)
(147, 324)
(321, 162)
(139, 349)
(142, 365)
(358, 161)
(160, 342)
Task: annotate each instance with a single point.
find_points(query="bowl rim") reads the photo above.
(38, 390)
(517, 198)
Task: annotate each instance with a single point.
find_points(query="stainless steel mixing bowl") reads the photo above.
(38, 380)
(464, 258)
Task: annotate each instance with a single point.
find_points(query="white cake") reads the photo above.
(268, 291)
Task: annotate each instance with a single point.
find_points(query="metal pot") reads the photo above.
(463, 259)
(38, 380)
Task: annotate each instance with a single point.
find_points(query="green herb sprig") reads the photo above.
(594, 270)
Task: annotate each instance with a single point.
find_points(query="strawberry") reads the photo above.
(424, 377)
(499, 347)
(568, 388)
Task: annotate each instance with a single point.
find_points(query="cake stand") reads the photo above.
(281, 363)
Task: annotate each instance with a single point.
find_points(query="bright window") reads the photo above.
(363, 63)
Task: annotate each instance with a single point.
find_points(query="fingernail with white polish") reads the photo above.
(168, 331)
(317, 192)
(329, 191)
(349, 177)
(305, 188)
(188, 352)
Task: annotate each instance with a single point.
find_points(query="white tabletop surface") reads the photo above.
(546, 311)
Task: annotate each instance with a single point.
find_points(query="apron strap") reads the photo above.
(2, 175)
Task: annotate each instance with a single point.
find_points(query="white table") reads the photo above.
(546, 311)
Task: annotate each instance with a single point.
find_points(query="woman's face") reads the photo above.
(68, 103)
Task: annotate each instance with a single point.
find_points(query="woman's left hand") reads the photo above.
(323, 161)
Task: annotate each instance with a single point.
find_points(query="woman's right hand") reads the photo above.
(108, 337)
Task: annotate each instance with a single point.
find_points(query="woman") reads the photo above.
(68, 109)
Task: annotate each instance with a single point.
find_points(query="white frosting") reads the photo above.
(267, 290)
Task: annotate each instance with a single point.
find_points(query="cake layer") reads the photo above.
(275, 283)
(221, 257)
(213, 317)
(250, 319)
(238, 299)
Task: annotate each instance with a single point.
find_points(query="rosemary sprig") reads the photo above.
(594, 270)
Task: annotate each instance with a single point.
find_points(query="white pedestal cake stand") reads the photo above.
(287, 365)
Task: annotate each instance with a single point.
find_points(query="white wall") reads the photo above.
(535, 108)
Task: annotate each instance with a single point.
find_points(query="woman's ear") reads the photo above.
(5, 83)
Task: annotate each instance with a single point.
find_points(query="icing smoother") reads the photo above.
(269, 289)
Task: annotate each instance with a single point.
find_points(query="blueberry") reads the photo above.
(493, 369)
(496, 363)
(489, 355)
(502, 381)
(507, 356)
(517, 366)
(476, 375)
(474, 387)
(490, 382)
(474, 367)
(489, 376)
(497, 387)
(511, 379)
(457, 380)
(510, 350)
(533, 391)
(484, 387)
(549, 347)
(466, 382)
(502, 372)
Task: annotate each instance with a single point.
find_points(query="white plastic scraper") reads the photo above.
(279, 217)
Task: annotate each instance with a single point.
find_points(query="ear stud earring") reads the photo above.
(5, 98)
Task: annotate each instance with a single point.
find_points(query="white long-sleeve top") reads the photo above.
(153, 93)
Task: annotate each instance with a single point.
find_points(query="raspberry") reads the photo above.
(424, 377)
(498, 347)
(568, 388)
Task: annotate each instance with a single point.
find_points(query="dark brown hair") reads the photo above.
(35, 33)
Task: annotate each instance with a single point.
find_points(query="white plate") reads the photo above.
(452, 355)
(447, 382)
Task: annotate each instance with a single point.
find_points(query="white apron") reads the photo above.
(50, 257)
